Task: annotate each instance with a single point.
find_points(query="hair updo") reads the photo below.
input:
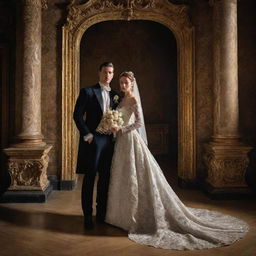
(128, 74)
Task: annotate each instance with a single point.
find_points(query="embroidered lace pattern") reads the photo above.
(142, 202)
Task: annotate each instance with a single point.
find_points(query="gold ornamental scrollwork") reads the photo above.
(44, 4)
(226, 165)
(28, 174)
(176, 19)
(25, 173)
(27, 167)
(126, 10)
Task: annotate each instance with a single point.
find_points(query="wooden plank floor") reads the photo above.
(56, 228)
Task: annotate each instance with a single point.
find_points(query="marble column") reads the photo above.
(30, 134)
(28, 155)
(226, 156)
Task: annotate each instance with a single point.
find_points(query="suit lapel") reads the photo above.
(97, 91)
(111, 99)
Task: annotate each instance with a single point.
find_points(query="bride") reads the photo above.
(141, 201)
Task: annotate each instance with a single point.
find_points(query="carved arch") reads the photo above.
(175, 18)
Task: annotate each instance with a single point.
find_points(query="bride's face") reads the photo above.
(125, 84)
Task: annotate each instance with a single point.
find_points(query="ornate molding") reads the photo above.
(226, 172)
(44, 4)
(27, 168)
(226, 164)
(126, 9)
(25, 173)
(175, 18)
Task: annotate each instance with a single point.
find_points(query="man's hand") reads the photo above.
(88, 138)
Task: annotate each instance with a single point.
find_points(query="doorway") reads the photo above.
(149, 49)
(175, 18)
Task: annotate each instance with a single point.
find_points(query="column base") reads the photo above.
(226, 164)
(27, 168)
(26, 196)
(62, 184)
(28, 141)
(230, 193)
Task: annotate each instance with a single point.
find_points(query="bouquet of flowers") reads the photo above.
(110, 119)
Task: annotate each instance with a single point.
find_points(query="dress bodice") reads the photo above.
(127, 115)
(131, 117)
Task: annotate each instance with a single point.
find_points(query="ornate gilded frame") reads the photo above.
(175, 18)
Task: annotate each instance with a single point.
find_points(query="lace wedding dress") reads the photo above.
(141, 201)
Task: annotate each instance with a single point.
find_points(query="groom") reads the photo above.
(95, 149)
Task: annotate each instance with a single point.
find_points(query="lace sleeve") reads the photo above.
(137, 123)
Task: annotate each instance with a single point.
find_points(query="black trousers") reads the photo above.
(102, 148)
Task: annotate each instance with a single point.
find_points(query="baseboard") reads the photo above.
(26, 196)
(188, 184)
(67, 184)
(61, 184)
(228, 193)
(54, 181)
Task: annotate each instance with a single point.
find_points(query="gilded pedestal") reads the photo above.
(226, 164)
(27, 168)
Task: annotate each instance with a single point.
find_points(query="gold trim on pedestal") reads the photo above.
(226, 164)
(27, 167)
(175, 18)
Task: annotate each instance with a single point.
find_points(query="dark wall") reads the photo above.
(7, 75)
(148, 49)
(247, 69)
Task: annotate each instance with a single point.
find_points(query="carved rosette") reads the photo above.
(27, 168)
(226, 165)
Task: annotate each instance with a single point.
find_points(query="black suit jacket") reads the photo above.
(87, 115)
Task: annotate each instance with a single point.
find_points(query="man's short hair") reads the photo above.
(106, 64)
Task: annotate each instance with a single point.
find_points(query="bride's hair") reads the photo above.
(128, 74)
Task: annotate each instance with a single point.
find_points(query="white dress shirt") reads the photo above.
(105, 97)
(105, 104)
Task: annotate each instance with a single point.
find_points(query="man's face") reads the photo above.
(106, 75)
